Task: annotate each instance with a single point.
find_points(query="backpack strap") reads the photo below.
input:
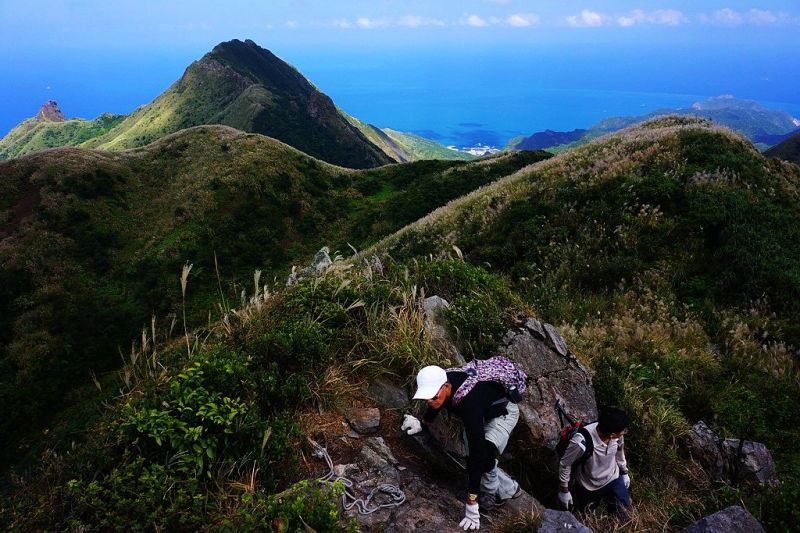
(588, 445)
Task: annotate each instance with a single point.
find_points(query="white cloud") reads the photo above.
(667, 17)
(368, 23)
(758, 16)
(522, 20)
(291, 24)
(767, 18)
(415, 21)
(341, 23)
(476, 22)
(587, 19)
(726, 17)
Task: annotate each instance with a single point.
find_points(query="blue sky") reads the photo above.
(43, 24)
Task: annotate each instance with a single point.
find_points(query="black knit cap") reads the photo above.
(612, 421)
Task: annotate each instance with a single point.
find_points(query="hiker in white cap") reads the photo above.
(481, 394)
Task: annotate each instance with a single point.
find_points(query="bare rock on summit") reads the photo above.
(319, 264)
(49, 112)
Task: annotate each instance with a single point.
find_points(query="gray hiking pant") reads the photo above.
(497, 431)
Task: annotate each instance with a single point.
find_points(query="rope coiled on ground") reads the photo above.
(349, 499)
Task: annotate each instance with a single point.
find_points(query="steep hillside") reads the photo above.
(93, 241)
(788, 150)
(242, 85)
(50, 129)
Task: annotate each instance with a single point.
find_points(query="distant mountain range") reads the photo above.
(237, 84)
(765, 127)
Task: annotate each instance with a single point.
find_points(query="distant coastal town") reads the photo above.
(477, 150)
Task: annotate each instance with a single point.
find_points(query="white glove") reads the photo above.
(565, 498)
(472, 518)
(411, 425)
(627, 480)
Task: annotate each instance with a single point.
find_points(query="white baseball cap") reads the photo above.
(429, 380)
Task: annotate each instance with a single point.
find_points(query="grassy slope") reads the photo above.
(403, 147)
(96, 240)
(33, 135)
(788, 150)
(246, 87)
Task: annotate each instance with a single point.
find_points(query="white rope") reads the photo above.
(349, 499)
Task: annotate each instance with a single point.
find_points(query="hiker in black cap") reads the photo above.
(602, 475)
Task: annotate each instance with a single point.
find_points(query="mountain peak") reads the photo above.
(49, 112)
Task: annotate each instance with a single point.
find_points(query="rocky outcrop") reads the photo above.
(50, 112)
(731, 459)
(561, 522)
(704, 447)
(319, 264)
(554, 374)
(734, 519)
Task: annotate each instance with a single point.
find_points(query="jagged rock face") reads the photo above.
(554, 374)
(50, 112)
(734, 519)
(722, 458)
(561, 522)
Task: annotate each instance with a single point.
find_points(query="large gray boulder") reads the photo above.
(554, 521)
(734, 519)
(704, 447)
(748, 462)
(731, 459)
(555, 374)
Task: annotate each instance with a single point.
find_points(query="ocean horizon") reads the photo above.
(456, 97)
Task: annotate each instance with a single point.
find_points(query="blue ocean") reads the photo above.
(456, 96)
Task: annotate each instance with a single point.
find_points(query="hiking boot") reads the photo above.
(487, 502)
